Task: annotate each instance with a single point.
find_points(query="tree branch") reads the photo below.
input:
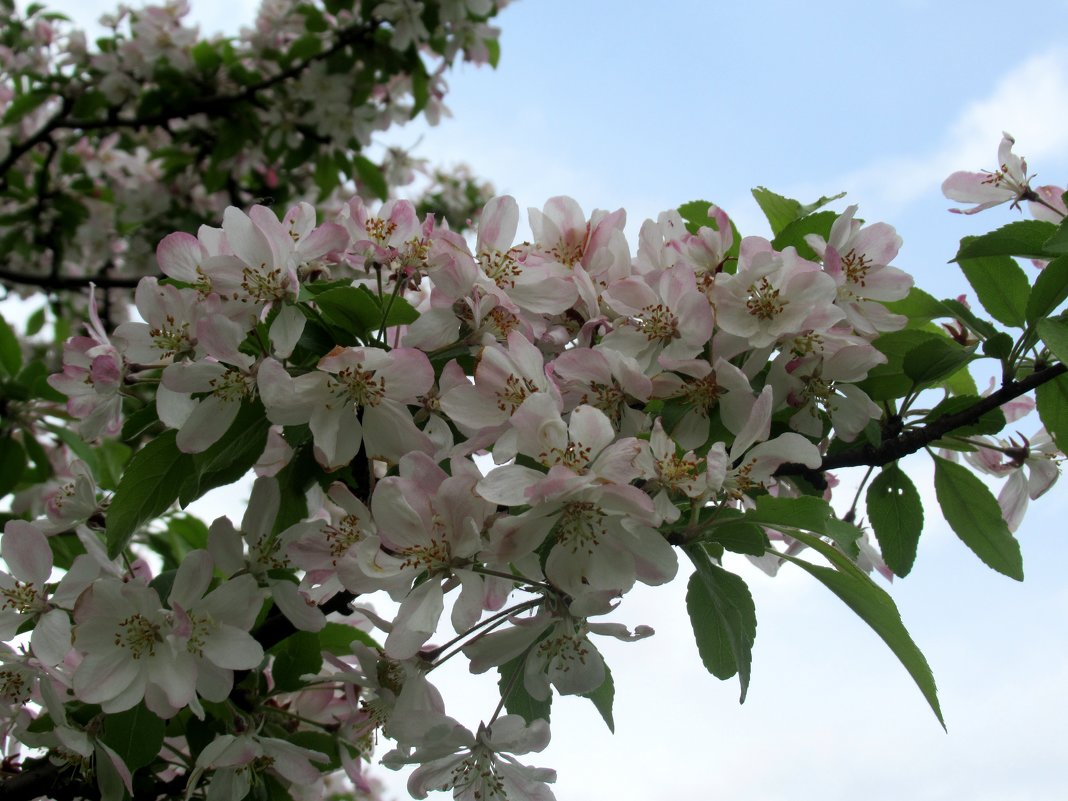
(912, 440)
(60, 282)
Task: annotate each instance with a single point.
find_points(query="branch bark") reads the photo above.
(912, 440)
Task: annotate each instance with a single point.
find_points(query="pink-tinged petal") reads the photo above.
(416, 621)
(189, 377)
(509, 485)
(389, 433)
(286, 330)
(231, 648)
(1044, 474)
(225, 545)
(292, 761)
(235, 602)
(299, 611)
(220, 337)
(407, 375)
(176, 674)
(757, 427)
(503, 645)
(467, 609)
(206, 424)
(102, 676)
(180, 256)
(337, 434)
(192, 579)
(1013, 499)
(26, 550)
(51, 638)
(248, 242)
(173, 407)
(498, 224)
(116, 762)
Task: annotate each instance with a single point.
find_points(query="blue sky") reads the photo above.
(621, 105)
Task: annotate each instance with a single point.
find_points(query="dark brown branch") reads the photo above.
(914, 439)
(60, 282)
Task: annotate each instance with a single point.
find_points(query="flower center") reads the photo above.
(580, 526)
(659, 324)
(22, 598)
(233, 385)
(264, 285)
(172, 338)
(139, 634)
(856, 267)
(358, 386)
(764, 300)
(515, 391)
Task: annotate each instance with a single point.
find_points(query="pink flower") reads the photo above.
(1009, 182)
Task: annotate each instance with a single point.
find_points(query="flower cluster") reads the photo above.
(507, 434)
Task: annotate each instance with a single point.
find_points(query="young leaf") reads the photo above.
(974, 515)
(12, 464)
(1024, 238)
(296, 656)
(1001, 286)
(602, 698)
(518, 701)
(1054, 332)
(1049, 291)
(875, 608)
(149, 486)
(135, 735)
(934, 360)
(371, 175)
(1052, 401)
(1058, 243)
(231, 457)
(780, 211)
(723, 617)
(896, 514)
(10, 352)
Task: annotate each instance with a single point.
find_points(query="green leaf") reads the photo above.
(398, 311)
(1001, 286)
(723, 617)
(206, 57)
(1058, 243)
(305, 47)
(1052, 401)
(981, 328)
(371, 176)
(23, 105)
(998, 346)
(989, 423)
(1024, 238)
(974, 515)
(493, 50)
(1054, 333)
(918, 306)
(108, 780)
(934, 360)
(519, 701)
(887, 381)
(781, 211)
(297, 655)
(350, 309)
(231, 457)
(1049, 291)
(10, 351)
(794, 234)
(147, 489)
(603, 697)
(896, 515)
(337, 638)
(321, 741)
(12, 464)
(135, 735)
(875, 608)
(739, 537)
(806, 512)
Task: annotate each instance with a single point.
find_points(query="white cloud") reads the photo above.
(1030, 102)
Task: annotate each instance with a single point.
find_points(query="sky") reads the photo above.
(627, 104)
